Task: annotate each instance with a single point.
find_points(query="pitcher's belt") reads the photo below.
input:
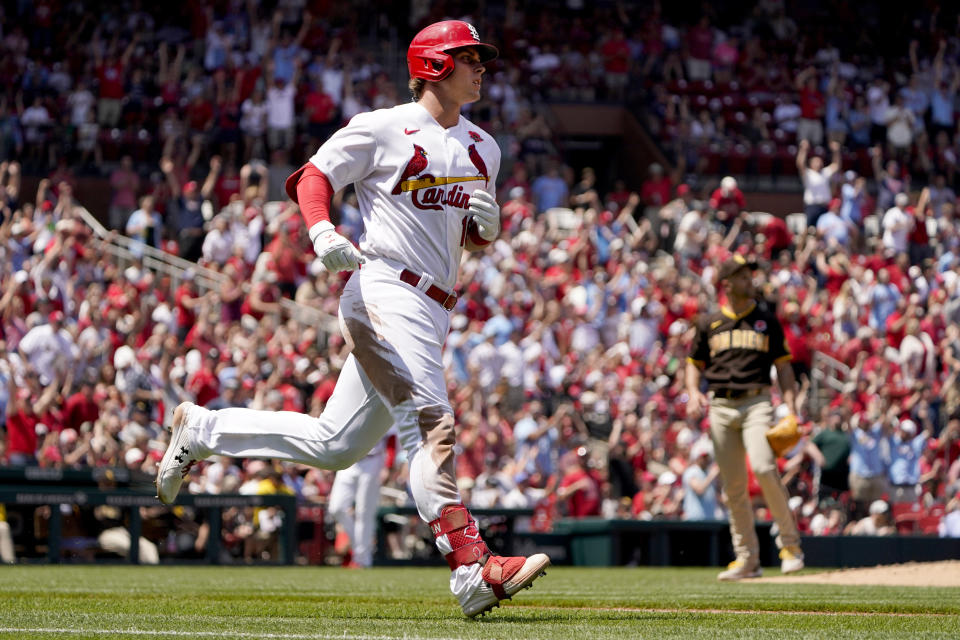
(446, 300)
(737, 394)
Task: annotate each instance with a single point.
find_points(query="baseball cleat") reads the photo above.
(179, 457)
(739, 570)
(503, 578)
(791, 560)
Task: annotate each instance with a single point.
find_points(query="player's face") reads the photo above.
(463, 84)
(740, 284)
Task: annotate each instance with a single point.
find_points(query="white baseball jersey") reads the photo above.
(413, 179)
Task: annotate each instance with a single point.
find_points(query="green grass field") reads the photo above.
(568, 603)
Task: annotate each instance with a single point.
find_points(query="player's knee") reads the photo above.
(438, 436)
(436, 427)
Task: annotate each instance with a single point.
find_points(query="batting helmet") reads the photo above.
(427, 56)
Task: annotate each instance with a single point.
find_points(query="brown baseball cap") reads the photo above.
(733, 264)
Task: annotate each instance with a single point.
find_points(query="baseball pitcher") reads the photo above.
(734, 350)
(425, 180)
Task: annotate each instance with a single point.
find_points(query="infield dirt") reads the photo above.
(911, 574)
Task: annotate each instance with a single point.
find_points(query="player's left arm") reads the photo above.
(483, 221)
(788, 384)
(782, 357)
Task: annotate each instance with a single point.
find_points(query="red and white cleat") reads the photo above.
(503, 577)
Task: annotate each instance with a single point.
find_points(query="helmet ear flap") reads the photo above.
(431, 65)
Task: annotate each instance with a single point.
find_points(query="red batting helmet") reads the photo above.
(427, 56)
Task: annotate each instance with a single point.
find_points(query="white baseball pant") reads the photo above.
(393, 375)
(358, 486)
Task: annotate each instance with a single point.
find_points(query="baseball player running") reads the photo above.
(425, 178)
(734, 348)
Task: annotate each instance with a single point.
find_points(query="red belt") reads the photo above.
(447, 300)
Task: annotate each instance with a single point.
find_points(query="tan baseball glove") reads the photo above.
(784, 435)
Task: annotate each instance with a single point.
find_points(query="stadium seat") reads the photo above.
(763, 156)
(928, 525)
(737, 160)
(907, 523)
(906, 515)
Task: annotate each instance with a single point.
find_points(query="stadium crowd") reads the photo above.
(565, 356)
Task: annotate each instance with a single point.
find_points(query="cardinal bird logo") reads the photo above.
(414, 168)
(433, 193)
(478, 162)
(475, 136)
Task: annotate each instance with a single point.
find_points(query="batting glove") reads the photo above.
(335, 252)
(486, 213)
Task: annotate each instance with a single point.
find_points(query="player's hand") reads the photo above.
(486, 213)
(696, 404)
(336, 252)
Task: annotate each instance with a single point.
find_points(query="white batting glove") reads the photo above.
(486, 213)
(336, 252)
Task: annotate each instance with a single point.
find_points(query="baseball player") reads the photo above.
(425, 178)
(734, 349)
(358, 486)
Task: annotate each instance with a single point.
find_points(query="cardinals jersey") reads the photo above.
(413, 179)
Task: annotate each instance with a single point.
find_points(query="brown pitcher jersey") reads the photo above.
(737, 351)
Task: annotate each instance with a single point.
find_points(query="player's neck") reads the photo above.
(445, 112)
(739, 304)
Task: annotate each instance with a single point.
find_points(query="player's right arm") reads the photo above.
(696, 361)
(347, 157)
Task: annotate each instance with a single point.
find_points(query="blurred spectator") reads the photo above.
(877, 523)
(810, 126)
(699, 50)
(906, 447)
(727, 201)
(700, 496)
(656, 189)
(145, 224)
(868, 470)
(550, 190)
(281, 114)
(897, 224)
(950, 526)
(125, 184)
(579, 486)
(816, 180)
(830, 450)
(49, 349)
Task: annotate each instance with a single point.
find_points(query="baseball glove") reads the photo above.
(783, 435)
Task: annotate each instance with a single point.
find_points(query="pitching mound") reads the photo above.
(911, 574)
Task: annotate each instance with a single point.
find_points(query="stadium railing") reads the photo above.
(828, 376)
(128, 250)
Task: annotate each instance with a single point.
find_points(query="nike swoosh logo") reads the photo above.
(410, 131)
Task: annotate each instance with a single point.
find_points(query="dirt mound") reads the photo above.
(911, 574)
